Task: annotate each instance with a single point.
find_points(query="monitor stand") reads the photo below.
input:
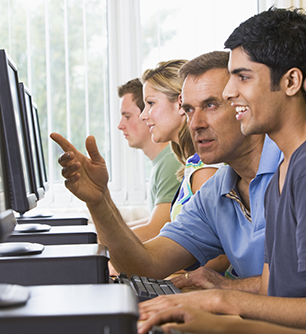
(13, 295)
(31, 227)
(20, 248)
(35, 213)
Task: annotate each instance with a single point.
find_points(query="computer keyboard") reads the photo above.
(159, 330)
(147, 288)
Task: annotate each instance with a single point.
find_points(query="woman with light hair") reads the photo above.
(168, 122)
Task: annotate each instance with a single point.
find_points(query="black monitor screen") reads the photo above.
(7, 218)
(39, 147)
(19, 161)
(26, 102)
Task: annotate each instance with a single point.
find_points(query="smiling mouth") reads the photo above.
(240, 110)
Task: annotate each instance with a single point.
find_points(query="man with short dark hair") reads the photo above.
(163, 182)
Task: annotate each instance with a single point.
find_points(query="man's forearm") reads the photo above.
(250, 284)
(282, 311)
(117, 236)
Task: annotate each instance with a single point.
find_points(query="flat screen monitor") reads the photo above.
(10, 294)
(31, 142)
(7, 217)
(39, 147)
(19, 163)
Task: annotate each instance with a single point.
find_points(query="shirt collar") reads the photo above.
(270, 158)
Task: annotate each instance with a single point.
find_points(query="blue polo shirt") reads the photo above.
(213, 222)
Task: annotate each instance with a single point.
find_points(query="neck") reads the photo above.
(151, 150)
(291, 131)
(246, 165)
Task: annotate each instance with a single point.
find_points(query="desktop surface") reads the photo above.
(57, 264)
(55, 220)
(74, 309)
(59, 235)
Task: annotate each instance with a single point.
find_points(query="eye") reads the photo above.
(210, 105)
(243, 77)
(188, 110)
(150, 103)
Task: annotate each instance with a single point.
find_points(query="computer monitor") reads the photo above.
(27, 113)
(7, 217)
(39, 147)
(19, 165)
(10, 294)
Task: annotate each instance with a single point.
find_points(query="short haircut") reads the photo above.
(275, 38)
(133, 87)
(201, 64)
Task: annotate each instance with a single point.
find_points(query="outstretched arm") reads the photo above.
(87, 179)
(159, 217)
(192, 320)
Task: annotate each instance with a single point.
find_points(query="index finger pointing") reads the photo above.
(62, 142)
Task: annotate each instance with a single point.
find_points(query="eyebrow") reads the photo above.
(203, 103)
(241, 69)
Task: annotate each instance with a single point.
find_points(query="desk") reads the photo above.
(57, 264)
(78, 309)
(56, 220)
(59, 235)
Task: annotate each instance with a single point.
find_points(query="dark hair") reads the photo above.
(275, 38)
(133, 87)
(201, 64)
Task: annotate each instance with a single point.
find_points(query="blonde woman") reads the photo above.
(167, 122)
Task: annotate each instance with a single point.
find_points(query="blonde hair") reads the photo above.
(165, 79)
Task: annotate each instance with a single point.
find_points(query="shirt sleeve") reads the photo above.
(166, 180)
(300, 207)
(192, 230)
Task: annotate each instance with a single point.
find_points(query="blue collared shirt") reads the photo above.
(212, 223)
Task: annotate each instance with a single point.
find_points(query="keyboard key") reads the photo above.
(139, 286)
(166, 289)
(173, 287)
(157, 289)
(147, 288)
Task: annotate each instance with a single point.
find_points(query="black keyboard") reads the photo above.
(159, 330)
(147, 288)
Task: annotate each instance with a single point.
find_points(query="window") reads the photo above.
(180, 29)
(72, 54)
(60, 48)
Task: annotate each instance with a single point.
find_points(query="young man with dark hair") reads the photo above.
(266, 89)
(163, 182)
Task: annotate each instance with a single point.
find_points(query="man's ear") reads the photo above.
(293, 81)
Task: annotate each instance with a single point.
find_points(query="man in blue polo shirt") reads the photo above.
(217, 220)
